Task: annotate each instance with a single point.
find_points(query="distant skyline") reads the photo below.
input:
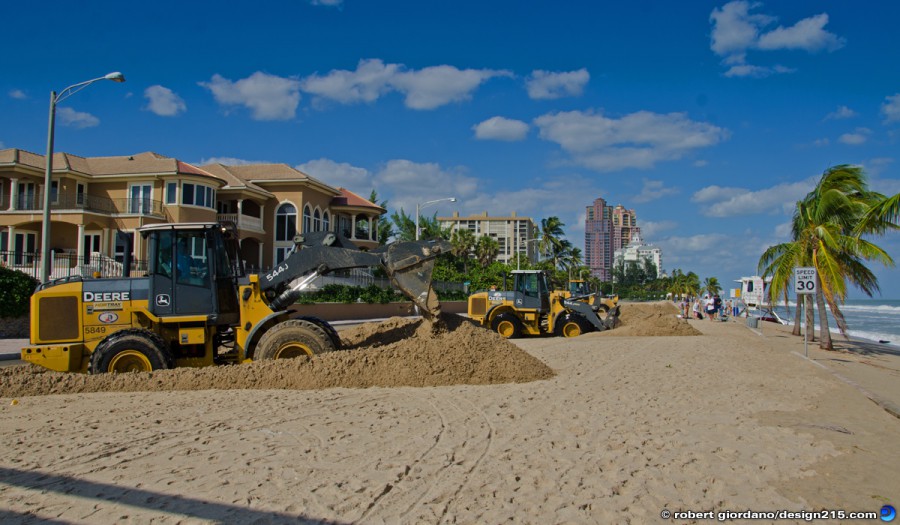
(709, 119)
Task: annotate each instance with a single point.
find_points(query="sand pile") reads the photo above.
(651, 319)
(389, 354)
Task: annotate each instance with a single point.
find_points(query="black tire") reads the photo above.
(326, 326)
(602, 309)
(293, 338)
(131, 350)
(507, 325)
(573, 325)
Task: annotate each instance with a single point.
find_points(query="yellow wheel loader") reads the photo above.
(581, 290)
(530, 308)
(197, 307)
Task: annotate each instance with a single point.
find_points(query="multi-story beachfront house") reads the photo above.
(97, 203)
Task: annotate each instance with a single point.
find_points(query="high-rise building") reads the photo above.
(606, 229)
(514, 234)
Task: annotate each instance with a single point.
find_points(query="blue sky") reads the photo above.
(710, 119)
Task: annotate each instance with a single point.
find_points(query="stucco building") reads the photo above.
(97, 203)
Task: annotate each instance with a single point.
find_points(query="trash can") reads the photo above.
(753, 322)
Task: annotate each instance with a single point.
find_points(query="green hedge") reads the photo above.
(341, 293)
(15, 292)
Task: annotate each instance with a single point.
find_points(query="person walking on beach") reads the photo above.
(709, 306)
(696, 309)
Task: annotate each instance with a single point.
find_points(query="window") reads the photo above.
(171, 189)
(285, 222)
(198, 195)
(79, 195)
(54, 191)
(140, 196)
(317, 221)
(281, 254)
(326, 222)
(307, 219)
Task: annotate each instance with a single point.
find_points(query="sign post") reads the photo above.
(805, 284)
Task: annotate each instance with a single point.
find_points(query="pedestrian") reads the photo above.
(709, 306)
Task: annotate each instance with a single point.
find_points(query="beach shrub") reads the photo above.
(15, 292)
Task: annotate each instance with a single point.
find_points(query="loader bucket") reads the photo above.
(612, 318)
(410, 266)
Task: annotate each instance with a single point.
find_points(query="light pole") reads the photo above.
(518, 255)
(54, 100)
(428, 203)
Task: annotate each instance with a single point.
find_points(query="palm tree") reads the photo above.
(826, 234)
(486, 249)
(462, 240)
(711, 285)
(571, 260)
(551, 236)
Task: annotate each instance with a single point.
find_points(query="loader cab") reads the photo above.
(192, 271)
(578, 288)
(532, 289)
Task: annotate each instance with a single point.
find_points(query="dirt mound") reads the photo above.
(651, 319)
(397, 352)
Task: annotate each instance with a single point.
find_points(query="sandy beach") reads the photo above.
(732, 419)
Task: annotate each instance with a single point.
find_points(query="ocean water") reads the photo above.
(873, 319)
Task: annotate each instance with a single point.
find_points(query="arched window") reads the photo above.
(307, 219)
(326, 222)
(317, 221)
(285, 222)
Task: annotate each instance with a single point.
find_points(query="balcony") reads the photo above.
(92, 203)
(245, 222)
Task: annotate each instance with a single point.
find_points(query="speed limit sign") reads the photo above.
(805, 280)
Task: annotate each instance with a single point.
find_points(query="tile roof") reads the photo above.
(348, 198)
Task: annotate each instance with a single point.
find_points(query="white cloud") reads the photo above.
(716, 193)
(163, 101)
(891, 108)
(696, 243)
(653, 190)
(426, 88)
(877, 165)
(439, 85)
(652, 229)
(269, 97)
(701, 163)
(17, 94)
(637, 140)
(550, 85)
(500, 128)
(718, 201)
(370, 81)
(842, 112)
(339, 175)
(857, 137)
(327, 3)
(783, 230)
(736, 31)
(409, 182)
(76, 119)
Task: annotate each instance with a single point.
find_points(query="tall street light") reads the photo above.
(54, 100)
(428, 203)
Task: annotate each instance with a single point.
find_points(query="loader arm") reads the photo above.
(408, 264)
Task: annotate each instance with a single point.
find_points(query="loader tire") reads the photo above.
(573, 325)
(293, 338)
(507, 325)
(131, 350)
(602, 309)
(326, 326)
